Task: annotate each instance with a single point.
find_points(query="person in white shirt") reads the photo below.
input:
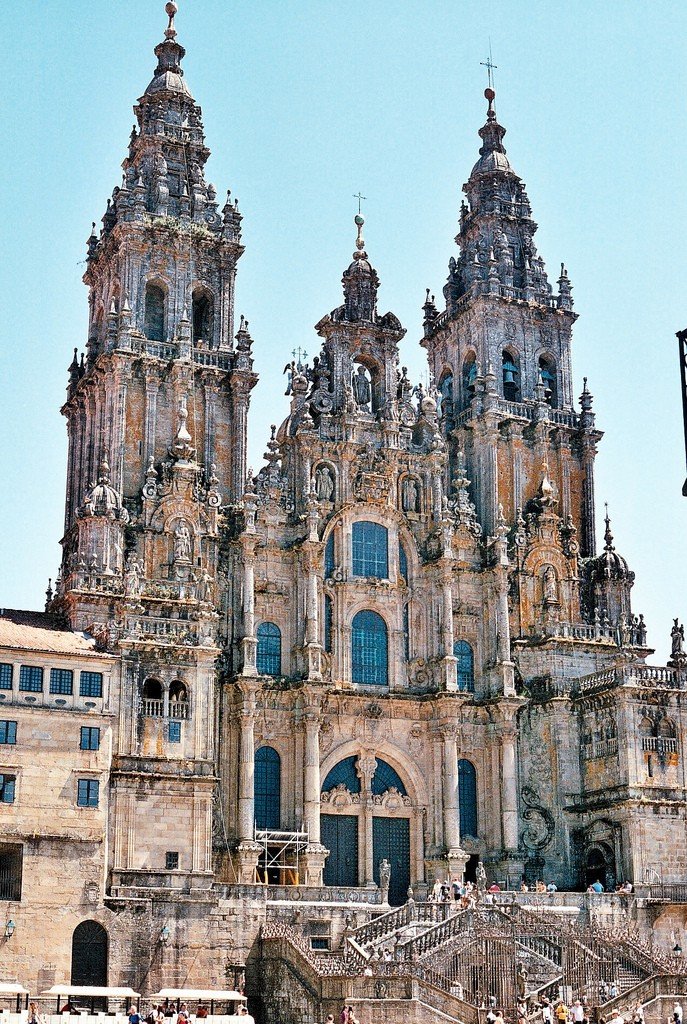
(577, 1012)
(677, 1013)
(547, 1012)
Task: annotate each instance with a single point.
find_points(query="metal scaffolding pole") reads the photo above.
(682, 340)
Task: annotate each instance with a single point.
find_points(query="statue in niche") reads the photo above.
(384, 875)
(361, 388)
(324, 484)
(550, 586)
(410, 494)
(132, 578)
(182, 543)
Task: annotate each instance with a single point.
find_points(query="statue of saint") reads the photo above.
(677, 639)
(324, 484)
(521, 981)
(384, 875)
(550, 585)
(410, 494)
(182, 543)
(132, 578)
(481, 877)
(361, 388)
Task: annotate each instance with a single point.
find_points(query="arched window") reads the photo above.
(268, 661)
(469, 378)
(89, 954)
(385, 777)
(202, 317)
(151, 699)
(267, 788)
(511, 378)
(446, 392)
(178, 699)
(466, 665)
(547, 370)
(328, 619)
(370, 658)
(370, 550)
(329, 556)
(155, 313)
(343, 773)
(467, 798)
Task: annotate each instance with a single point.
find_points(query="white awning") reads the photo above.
(92, 990)
(11, 988)
(203, 994)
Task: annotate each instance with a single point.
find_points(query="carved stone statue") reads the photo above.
(521, 981)
(324, 484)
(550, 585)
(410, 495)
(182, 543)
(132, 578)
(384, 877)
(361, 388)
(481, 877)
(677, 637)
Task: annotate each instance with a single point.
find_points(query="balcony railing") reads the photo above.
(153, 708)
(178, 709)
(659, 744)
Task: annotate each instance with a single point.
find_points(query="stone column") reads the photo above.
(248, 850)
(315, 854)
(588, 521)
(152, 388)
(249, 643)
(455, 856)
(366, 767)
(239, 414)
(448, 669)
(509, 790)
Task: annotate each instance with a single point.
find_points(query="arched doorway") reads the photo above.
(600, 866)
(89, 954)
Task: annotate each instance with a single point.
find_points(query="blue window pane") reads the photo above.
(406, 631)
(329, 556)
(369, 649)
(328, 618)
(467, 798)
(87, 793)
(269, 649)
(466, 665)
(91, 684)
(174, 732)
(90, 738)
(8, 732)
(370, 550)
(384, 778)
(31, 678)
(7, 788)
(267, 788)
(5, 677)
(403, 562)
(343, 773)
(61, 680)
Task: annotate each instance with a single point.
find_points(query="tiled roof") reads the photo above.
(39, 631)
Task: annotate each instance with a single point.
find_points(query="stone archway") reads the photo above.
(89, 954)
(600, 866)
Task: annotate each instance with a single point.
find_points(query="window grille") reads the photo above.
(467, 798)
(267, 788)
(269, 649)
(31, 678)
(91, 684)
(343, 772)
(174, 732)
(172, 860)
(385, 777)
(466, 666)
(61, 680)
(5, 676)
(370, 649)
(370, 550)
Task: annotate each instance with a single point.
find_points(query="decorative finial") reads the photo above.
(360, 241)
(608, 536)
(171, 9)
(489, 93)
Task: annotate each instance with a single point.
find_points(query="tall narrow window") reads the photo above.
(547, 369)
(5, 676)
(269, 649)
(202, 317)
(267, 788)
(466, 665)
(469, 378)
(329, 556)
(370, 550)
(87, 792)
(370, 656)
(154, 313)
(328, 618)
(406, 631)
(7, 784)
(467, 798)
(511, 382)
(403, 562)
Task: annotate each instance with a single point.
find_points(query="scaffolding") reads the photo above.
(682, 339)
(279, 862)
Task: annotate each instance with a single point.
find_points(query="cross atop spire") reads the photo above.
(360, 198)
(490, 66)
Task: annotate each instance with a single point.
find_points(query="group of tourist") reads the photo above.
(170, 1015)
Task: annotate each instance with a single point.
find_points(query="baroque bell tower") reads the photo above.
(157, 418)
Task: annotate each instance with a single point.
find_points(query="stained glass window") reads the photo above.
(267, 788)
(467, 798)
(343, 772)
(370, 649)
(269, 649)
(466, 665)
(370, 550)
(384, 778)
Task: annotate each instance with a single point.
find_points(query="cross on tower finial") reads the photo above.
(490, 66)
(301, 354)
(360, 198)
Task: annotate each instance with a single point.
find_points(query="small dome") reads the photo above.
(168, 81)
(493, 161)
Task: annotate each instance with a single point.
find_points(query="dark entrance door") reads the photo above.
(339, 833)
(391, 841)
(89, 954)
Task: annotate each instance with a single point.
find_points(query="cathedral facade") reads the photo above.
(394, 652)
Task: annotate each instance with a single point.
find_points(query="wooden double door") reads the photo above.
(390, 841)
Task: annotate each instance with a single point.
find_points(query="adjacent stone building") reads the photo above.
(395, 648)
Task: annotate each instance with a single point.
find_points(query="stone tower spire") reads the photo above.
(162, 395)
(501, 352)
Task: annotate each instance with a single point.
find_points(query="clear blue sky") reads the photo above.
(305, 104)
